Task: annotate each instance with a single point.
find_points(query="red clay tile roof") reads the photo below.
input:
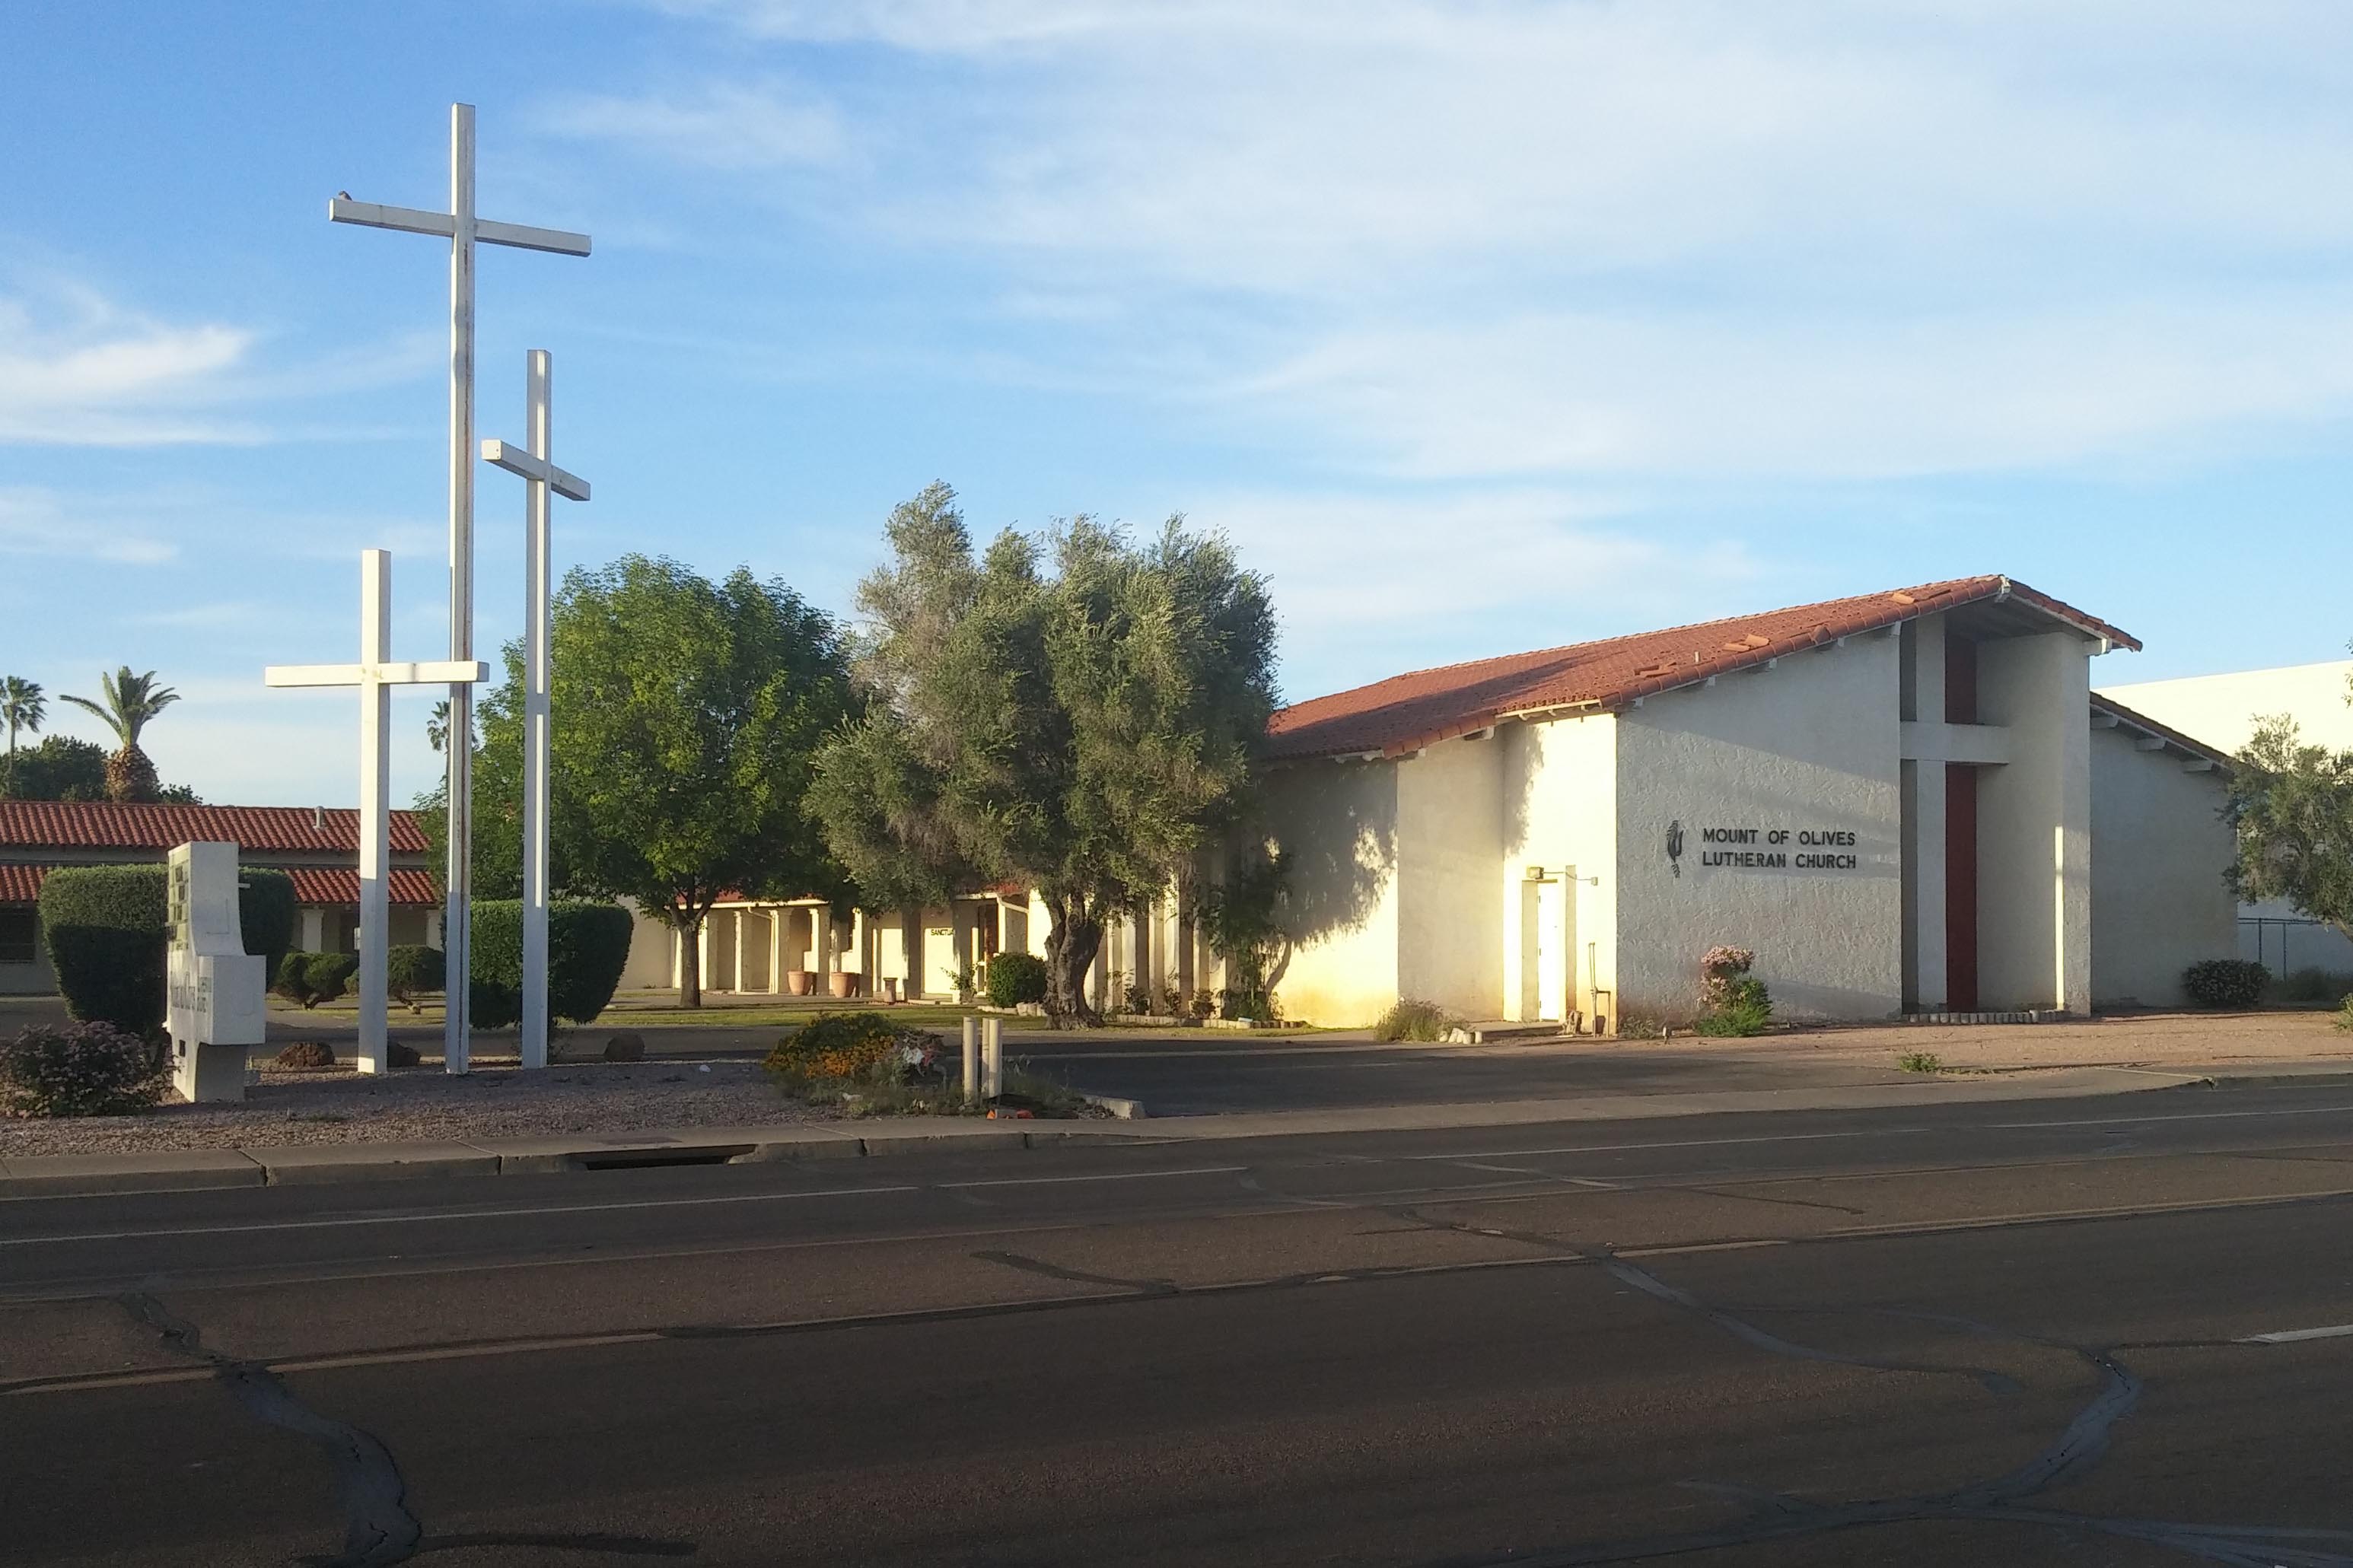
(102, 825)
(324, 885)
(332, 885)
(22, 884)
(1400, 715)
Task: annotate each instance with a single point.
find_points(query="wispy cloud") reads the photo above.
(1816, 240)
(38, 522)
(718, 125)
(77, 370)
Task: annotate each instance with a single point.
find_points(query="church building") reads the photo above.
(1907, 803)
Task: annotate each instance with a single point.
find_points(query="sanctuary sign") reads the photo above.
(1770, 849)
(213, 1005)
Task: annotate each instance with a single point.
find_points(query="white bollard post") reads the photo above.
(993, 1059)
(971, 1059)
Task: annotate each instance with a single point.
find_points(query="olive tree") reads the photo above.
(685, 715)
(1070, 710)
(2290, 803)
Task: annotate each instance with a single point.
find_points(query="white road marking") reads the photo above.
(1677, 1143)
(445, 1215)
(2187, 1116)
(2290, 1336)
(1106, 1176)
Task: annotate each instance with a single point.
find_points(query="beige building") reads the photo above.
(1899, 801)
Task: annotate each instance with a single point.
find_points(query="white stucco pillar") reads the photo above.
(710, 937)
(1926, 938)
(2034, 828)
(314, 931)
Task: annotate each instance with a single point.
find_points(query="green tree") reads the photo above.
(60, 768)
(23, 707)
(686, 716)
(2290, 803)
(131, 704)
(1070, 710)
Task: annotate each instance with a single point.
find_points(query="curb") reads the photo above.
(322, 1164)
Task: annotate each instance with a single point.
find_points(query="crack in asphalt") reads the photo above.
(380, 1529)
(1077, 1276)
(2001, 1498)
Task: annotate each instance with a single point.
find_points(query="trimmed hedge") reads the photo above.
(587, 948)
(106, 929)
(413, 971)
(2226, 983)
(311, 978)
(1014, 978)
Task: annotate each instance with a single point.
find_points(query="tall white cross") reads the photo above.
(544, 481)
(375, 675)
(462, 229)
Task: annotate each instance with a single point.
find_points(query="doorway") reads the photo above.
(1546, 942)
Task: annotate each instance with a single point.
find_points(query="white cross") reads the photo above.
(543, 480)
(463, 230)
(375, 675)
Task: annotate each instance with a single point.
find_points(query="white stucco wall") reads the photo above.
(2160, 849)
(1559, 811)
(2034, 839)
(2221, 710)
(1338, 824)
(1811, 746)
(1449, 928)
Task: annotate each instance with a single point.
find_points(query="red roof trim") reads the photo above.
(1399, 716)
(105, 825)
(313, 885)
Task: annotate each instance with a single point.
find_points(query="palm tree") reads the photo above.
(22, 707)
(131, 701)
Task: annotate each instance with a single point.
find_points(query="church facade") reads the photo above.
(1903, 803)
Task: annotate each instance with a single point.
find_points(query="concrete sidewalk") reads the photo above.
(63, 1175)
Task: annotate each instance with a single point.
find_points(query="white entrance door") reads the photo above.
(1551, 955)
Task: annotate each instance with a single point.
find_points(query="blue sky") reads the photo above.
(1478, 326)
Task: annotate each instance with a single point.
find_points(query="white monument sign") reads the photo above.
(463, 230)
(212, 1003)
(375, 675)
(544, 481)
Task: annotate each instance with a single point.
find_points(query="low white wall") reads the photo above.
(2159, 850)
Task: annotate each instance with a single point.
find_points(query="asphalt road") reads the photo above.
(2081, 1332)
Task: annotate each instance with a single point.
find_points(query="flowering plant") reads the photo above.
(77, 1070)
(1719, 969)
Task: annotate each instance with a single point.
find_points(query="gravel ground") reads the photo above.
(335, 1105)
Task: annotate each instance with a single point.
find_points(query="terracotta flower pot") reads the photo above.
(800, 981)
(842, 982)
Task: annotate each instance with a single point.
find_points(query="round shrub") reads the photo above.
(106, 929)
(1014, 978)
(329, 974)
(2226, 983)
(78, 1069)
(410, 973)
(397, 1056)
(587, 948)
(625, 1047)
(307, 1054)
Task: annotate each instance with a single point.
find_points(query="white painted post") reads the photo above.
(971, 1059)
(462, 228)
(542, 481)
(375, 674)
(992, 1058)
